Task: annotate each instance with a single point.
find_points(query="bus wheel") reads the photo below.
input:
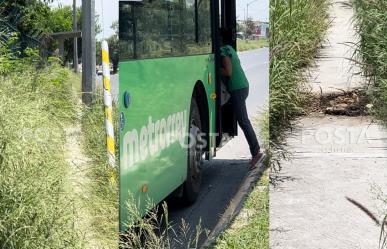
(195, 151)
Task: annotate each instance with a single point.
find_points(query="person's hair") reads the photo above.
(226, 36)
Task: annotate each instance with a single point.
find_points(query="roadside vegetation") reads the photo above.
(36, 104)
(49, 198)
(103, 184)
(371, 26)
(245, 45)
(39, 207)
(298, 29)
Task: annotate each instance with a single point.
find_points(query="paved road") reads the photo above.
(223, 175)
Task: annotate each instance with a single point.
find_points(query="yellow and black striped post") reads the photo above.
(108, 104)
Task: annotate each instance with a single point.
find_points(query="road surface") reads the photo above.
(223, 175)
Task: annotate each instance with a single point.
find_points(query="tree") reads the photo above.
(114, 51)
(113, 42)
(35, 19)
(24, 14)
(250, 27)
(60, 19)
(239, 27)
(20, 17)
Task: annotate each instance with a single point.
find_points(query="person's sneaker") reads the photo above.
(257, 159)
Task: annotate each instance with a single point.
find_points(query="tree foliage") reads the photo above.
(35, 20)
(21, 17)
(250, 27)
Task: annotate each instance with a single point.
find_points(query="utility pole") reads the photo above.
(75, 39)
(88, 51)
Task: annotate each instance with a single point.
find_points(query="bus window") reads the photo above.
(164, 28)
(204, 26)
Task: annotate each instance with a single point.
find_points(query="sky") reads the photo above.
(108, 11)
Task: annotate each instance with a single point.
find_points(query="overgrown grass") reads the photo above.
(244, 45)
(371, 25)
(103, 201)
(298, 29)
(36, 103)
(251, 228)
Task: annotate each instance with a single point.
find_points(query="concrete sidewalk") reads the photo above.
(333, 69)
(334, 157)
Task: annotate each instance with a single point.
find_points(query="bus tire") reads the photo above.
(194, 156)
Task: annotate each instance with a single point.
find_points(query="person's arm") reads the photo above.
(226, 69)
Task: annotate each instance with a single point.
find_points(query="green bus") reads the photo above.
(170, 96)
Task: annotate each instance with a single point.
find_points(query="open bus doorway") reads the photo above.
(227, 124)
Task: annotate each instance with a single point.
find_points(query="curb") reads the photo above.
(235, 206)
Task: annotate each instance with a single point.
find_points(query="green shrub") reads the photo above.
(298, 28)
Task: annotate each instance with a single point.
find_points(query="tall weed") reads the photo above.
(298, 29)
(371, 25)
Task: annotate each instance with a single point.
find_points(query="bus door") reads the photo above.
(227, 123)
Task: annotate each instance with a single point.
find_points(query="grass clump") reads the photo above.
(245, 45)
(251, 227)
(36, 103)
(151, 231)
(155, 231)
(298, 29)
(371, 26)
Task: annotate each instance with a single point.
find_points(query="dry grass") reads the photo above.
(36, 208)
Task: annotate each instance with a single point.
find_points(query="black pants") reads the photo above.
(238, 99)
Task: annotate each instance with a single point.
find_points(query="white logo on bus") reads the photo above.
(153, 138)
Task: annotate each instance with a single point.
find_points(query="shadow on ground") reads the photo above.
(221, 180)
